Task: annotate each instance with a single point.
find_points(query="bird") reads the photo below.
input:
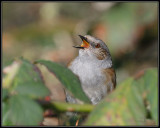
(94, 68)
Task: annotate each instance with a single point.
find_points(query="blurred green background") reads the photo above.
(48, 30)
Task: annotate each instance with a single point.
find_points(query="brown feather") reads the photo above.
(111, 78)
(101, 54)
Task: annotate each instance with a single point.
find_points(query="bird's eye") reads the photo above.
(97, 45)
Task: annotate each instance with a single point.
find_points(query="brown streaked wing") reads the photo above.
(111, 77)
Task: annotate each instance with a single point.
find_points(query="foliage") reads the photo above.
(124, 106)
(68, 79)
(21, 86)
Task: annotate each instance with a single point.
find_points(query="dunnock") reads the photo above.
(94, 68)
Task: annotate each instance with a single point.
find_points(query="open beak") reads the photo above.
(84, 44)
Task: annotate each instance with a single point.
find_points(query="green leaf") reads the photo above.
(4, 93)
(9, 74)
(148, 86)
(151, 84)
(28, 80)
(126, 106)
(5, 114)
(68, 79)
(34, 89)
(122, 107)
(24, 111)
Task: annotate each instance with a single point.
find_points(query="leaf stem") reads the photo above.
(63, 107)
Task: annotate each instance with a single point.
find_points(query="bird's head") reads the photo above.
(94, 47)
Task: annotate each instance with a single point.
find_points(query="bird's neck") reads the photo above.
(87, 57)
